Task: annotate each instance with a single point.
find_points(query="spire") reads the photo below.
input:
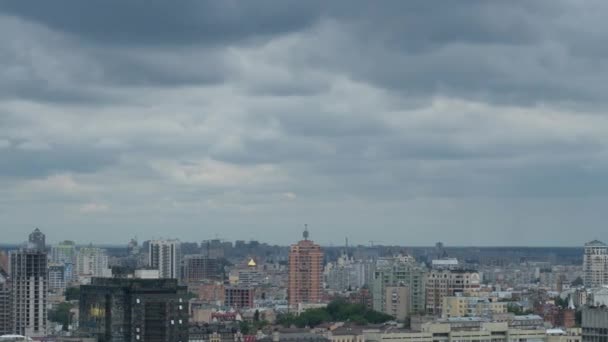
(571, 303)
(306, 234)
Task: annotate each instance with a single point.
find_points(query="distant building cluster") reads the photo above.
(167, 290)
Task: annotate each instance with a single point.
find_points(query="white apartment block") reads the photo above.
(165, 256)
(595, 264)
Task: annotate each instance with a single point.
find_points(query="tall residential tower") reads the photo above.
(29, 287)
(595, 264)
(165, 256)
(305, 272)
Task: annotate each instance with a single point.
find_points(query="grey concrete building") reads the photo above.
(595, 324)
(399, 271)
(37, 240)
(29, 290)
(5, 301)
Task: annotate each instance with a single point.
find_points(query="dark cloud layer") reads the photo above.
(144, 22)
(464, 119)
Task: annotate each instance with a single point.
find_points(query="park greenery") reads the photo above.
(72, 293)
(336, 311)
(61, 314)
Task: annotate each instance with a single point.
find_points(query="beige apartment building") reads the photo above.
(444, 332)
(469, 306)
(397, 303)
(445, 283)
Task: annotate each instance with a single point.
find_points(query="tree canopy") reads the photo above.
(336, 311)
(61, 314)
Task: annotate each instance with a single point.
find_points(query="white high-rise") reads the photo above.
(63, 253)
(92, 262)
(595, 264)
(165, 256)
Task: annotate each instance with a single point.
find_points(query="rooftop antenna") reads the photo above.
(306, 234)
(345, 252)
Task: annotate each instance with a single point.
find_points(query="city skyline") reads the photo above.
(473, 123)
(346, 241)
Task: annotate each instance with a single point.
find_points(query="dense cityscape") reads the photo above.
(216, 290)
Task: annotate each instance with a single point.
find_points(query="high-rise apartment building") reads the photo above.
(92, 262)
(37, 240)
(57, 278)
(165, 256)
(134, 310)
(305, 272)
(64, 253)
(595, 264)
(199, 268)
(344, 274)
(29, 290)
(398, 271)
(446, 283)
(5, 304)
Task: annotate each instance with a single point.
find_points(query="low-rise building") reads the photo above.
(238, 297)
(446, 332)
(461, 306)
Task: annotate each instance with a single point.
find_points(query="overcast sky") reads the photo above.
(402, 122)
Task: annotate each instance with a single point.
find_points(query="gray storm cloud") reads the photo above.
(402, 120)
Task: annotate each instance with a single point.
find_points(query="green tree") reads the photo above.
(561, 302)
(61, 314)
(336, 311)
(244, 327)
(72, 293)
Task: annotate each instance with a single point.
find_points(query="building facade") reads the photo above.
(238, 297)
(92, 262)
(57, 278)
(120, 310)
(595, 324)
(64, 253)
(5, 304)
(397, 303)
(432, 332)
(29, 291)
(401, 270)
(445, 283)
(305, 272)
(250, 275)
(165, 256)
(199, 268)
(345, 274)
(595, 264)
(37, 240)
(468, 306)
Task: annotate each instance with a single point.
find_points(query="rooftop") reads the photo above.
(595, 243)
